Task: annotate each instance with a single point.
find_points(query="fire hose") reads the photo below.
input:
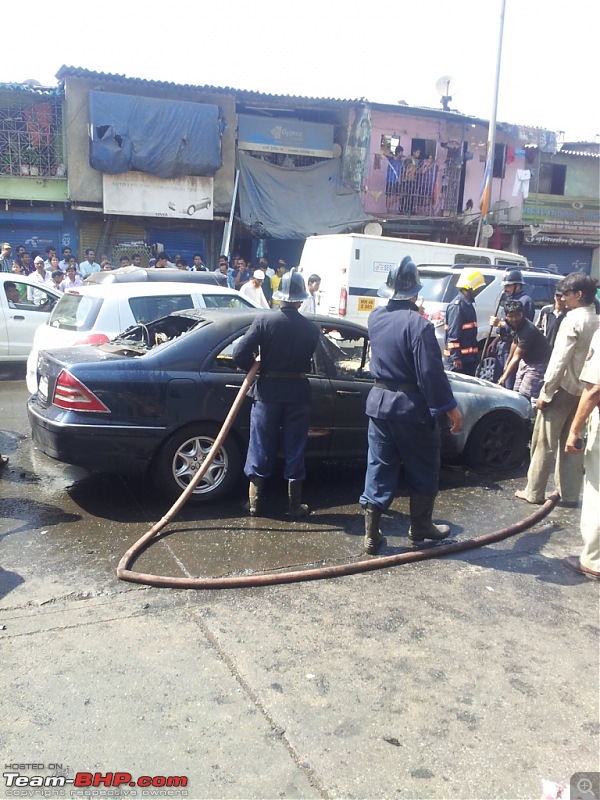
(125, 573)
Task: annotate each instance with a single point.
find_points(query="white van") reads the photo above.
(353, 266)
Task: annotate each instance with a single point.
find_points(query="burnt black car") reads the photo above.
(153, 400)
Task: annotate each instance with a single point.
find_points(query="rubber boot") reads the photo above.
(422, 527)
(255, 495)
(296, 507)
(373, 536)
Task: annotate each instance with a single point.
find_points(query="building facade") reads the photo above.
(126, 165)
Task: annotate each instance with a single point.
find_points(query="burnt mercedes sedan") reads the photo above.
(154, 398)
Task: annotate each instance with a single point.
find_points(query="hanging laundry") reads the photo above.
(521, 186)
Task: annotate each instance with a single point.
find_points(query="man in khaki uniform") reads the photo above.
(560, 395)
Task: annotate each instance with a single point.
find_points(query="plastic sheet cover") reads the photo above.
(296, 202)
(166, 138)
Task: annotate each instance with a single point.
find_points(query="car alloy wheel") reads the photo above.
(487, 368)
(182, 456)
(498, 441)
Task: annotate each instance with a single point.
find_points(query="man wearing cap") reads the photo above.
(5, 258)
(462, 352)
(411, 389)
(253, 289)
(285, 342)
(38, 276)
(529, 352)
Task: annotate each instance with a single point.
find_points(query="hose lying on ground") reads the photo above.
(126, 574)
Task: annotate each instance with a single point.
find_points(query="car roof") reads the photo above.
(133, 274)
(244, 316)
(499, 271)
(118, 290)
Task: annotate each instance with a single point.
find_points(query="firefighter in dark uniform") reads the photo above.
(462, 352)
(410, 389)
(513, 290)
(285, 341)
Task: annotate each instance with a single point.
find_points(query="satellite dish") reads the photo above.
(373, 229)
(446, 85)
(487, 231)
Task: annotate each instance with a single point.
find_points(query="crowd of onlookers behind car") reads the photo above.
(63, 273)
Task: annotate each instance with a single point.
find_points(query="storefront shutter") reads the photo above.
(559, 259)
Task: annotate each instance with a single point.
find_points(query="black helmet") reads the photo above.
(511, 277)
(402, 281)
(292, 288)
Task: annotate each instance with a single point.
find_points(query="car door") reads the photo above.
(23, 316)
(345, 352)
(224, 380)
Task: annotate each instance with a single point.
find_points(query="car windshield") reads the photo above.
(225, 301)
(75, 312)
(436, 287)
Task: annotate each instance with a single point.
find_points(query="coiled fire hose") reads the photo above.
(125, 573)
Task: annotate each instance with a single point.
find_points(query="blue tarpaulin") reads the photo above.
(296, 202)
(166, 138)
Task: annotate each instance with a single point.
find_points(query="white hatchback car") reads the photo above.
(24, 305)
(96, 313)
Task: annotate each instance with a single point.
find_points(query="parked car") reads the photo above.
(439, 289)
(95, 313)
(20, 319)
(155, 398)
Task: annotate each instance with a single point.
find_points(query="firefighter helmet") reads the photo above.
(512, 277)
(402, 281)
(292, 288)
(470, 278)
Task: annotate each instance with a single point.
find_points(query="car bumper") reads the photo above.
(123, 449)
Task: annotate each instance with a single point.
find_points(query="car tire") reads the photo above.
(498, 441)
(182, 455)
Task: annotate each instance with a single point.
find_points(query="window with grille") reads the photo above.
(31, 137)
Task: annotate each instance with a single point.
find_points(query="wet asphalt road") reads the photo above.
(471, 676)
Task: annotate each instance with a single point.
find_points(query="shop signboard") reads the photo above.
(296, 137)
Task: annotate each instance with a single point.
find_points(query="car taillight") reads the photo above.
(438, 318)
(343, 302)
(71, 394)
(93, 338)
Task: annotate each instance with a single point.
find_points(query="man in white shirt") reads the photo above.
(35, 296)
(309, 306)
(559, 397)
(253, 289)
(588, 562)
(89, 266)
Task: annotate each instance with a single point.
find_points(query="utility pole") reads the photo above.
(486, 192)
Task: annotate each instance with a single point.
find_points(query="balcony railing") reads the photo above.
(413, 187)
